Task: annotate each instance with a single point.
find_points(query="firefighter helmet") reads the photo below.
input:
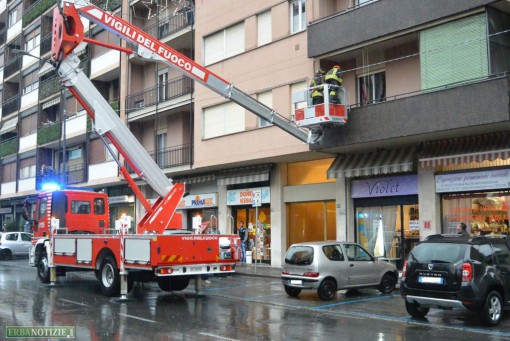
(319, 72)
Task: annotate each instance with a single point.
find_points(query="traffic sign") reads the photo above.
(257, 198)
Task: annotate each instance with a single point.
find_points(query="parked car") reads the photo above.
(453, 271)
(14, 244)
(331, 266)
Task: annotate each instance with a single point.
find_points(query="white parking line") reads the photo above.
(137, 318)
(219, 337)
(73, 302)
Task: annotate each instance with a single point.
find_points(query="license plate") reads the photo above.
(430, 280)
(296, 282)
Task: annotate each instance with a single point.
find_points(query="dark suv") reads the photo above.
(453, 271)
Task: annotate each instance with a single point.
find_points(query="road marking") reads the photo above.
(73, 302)
(217, 336)
(137, 318)
(355, 301)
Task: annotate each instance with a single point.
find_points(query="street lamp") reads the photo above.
(49, 61)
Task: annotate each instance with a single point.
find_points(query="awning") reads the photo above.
(196, 179)
(45, 68)
(372, 163)
(489, 147)
(244, 175)
(9, 125)
(53, 102)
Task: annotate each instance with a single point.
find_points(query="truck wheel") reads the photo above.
(180, 282)
(415, 310)
(291, 291)
(327, 290)
(492, 311)
(43, 270)
(109, 280)
(165, 283)
(388, 284)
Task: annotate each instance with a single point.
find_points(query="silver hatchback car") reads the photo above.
(14, 244)
(331, 266)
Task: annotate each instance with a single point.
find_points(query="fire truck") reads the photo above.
(71, 227)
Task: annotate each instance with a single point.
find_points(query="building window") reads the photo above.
(297, 16)
(265, 98)
(264, 34)
(309, 172)
(224, 44)
(163, 86)
(372, 88)
(300, 105)
(32, 43)
(223, 119)
(74, 154)
(13, 17)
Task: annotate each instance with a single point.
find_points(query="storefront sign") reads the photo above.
(121, 199)
(385, 187)
(199, 201)
(5, 210)
(473, 181)
(245, 196)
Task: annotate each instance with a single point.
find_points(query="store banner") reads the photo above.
(473, 181)
(245, 196)
(385, 187)
(193, 201)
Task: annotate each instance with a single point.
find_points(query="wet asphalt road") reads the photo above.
(233, 308)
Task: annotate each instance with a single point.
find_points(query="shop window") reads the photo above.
(311, 221)
(310, 172)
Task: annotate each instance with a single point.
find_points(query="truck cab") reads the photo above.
(77, 211)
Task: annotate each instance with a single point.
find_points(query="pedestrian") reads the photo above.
(243, 235)
(317, 93)
(334, 79)
(461, 229)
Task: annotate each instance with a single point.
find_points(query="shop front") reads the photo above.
(240, 203)
(121, 205)
(200, 212)
(480, 199)
(387, 215)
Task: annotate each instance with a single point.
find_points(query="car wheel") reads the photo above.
(291, 291)
(5, 254)
(492, 311)
(43, 269)
(388, 284)
(327, 290)
(109, 277)
(415, 310)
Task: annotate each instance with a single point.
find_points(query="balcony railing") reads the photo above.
(3, 36)
(36, 10)
(74, 174)
(11, 105)
(160, 93)
(49, 133)
(171, 157)
(9, 147)
(46, 44)
(49, 87)
(108, 5)
(12, 66)
(171, 24)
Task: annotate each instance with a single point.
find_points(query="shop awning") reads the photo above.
(489, 147)
(196, 179)
(244, 174)
(372, 163)
(51, 103)
(9, 125)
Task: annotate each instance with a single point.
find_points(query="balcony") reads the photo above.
(443, 112)
(3, 36)
(12, 66)
(49, 133)
(36, 10)
(157, 94)
(49, 87)
(8, 147)
(46, 44)
(74, 174)
(171, 157)
(365, 23)
(170, 25)
(11, 105)
(108, 5)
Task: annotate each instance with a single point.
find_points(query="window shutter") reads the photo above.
(223, 119)
(214, 50)
(234, 40)
(454, 52)
(264, 34)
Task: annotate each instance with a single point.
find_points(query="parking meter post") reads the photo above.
(256, 236)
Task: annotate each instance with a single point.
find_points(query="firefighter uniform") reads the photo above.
(317, 94)
(334, 77)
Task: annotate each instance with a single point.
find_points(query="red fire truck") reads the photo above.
(71, 227)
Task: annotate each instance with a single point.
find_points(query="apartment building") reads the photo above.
(425, 146)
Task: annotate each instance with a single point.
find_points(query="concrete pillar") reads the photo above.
(278, 215)
(429, 204)
(341, 199)
(223, 210)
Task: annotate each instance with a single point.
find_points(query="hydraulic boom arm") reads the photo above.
(151, 48)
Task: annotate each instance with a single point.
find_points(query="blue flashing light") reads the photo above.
(50, 186)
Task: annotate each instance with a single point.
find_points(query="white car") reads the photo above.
(331, 266)
(14, 244)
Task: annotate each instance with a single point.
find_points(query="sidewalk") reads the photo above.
(260, 270)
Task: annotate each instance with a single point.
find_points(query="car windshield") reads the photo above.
(299, 255)
(438, 253)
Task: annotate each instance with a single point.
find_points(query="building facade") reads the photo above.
(426, 144)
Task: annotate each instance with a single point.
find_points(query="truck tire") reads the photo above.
(109, 277)
(492, 311)
(181, 282)
(43, 270)
(165, 283)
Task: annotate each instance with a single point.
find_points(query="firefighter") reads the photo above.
(317, 94)
(334, 78)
